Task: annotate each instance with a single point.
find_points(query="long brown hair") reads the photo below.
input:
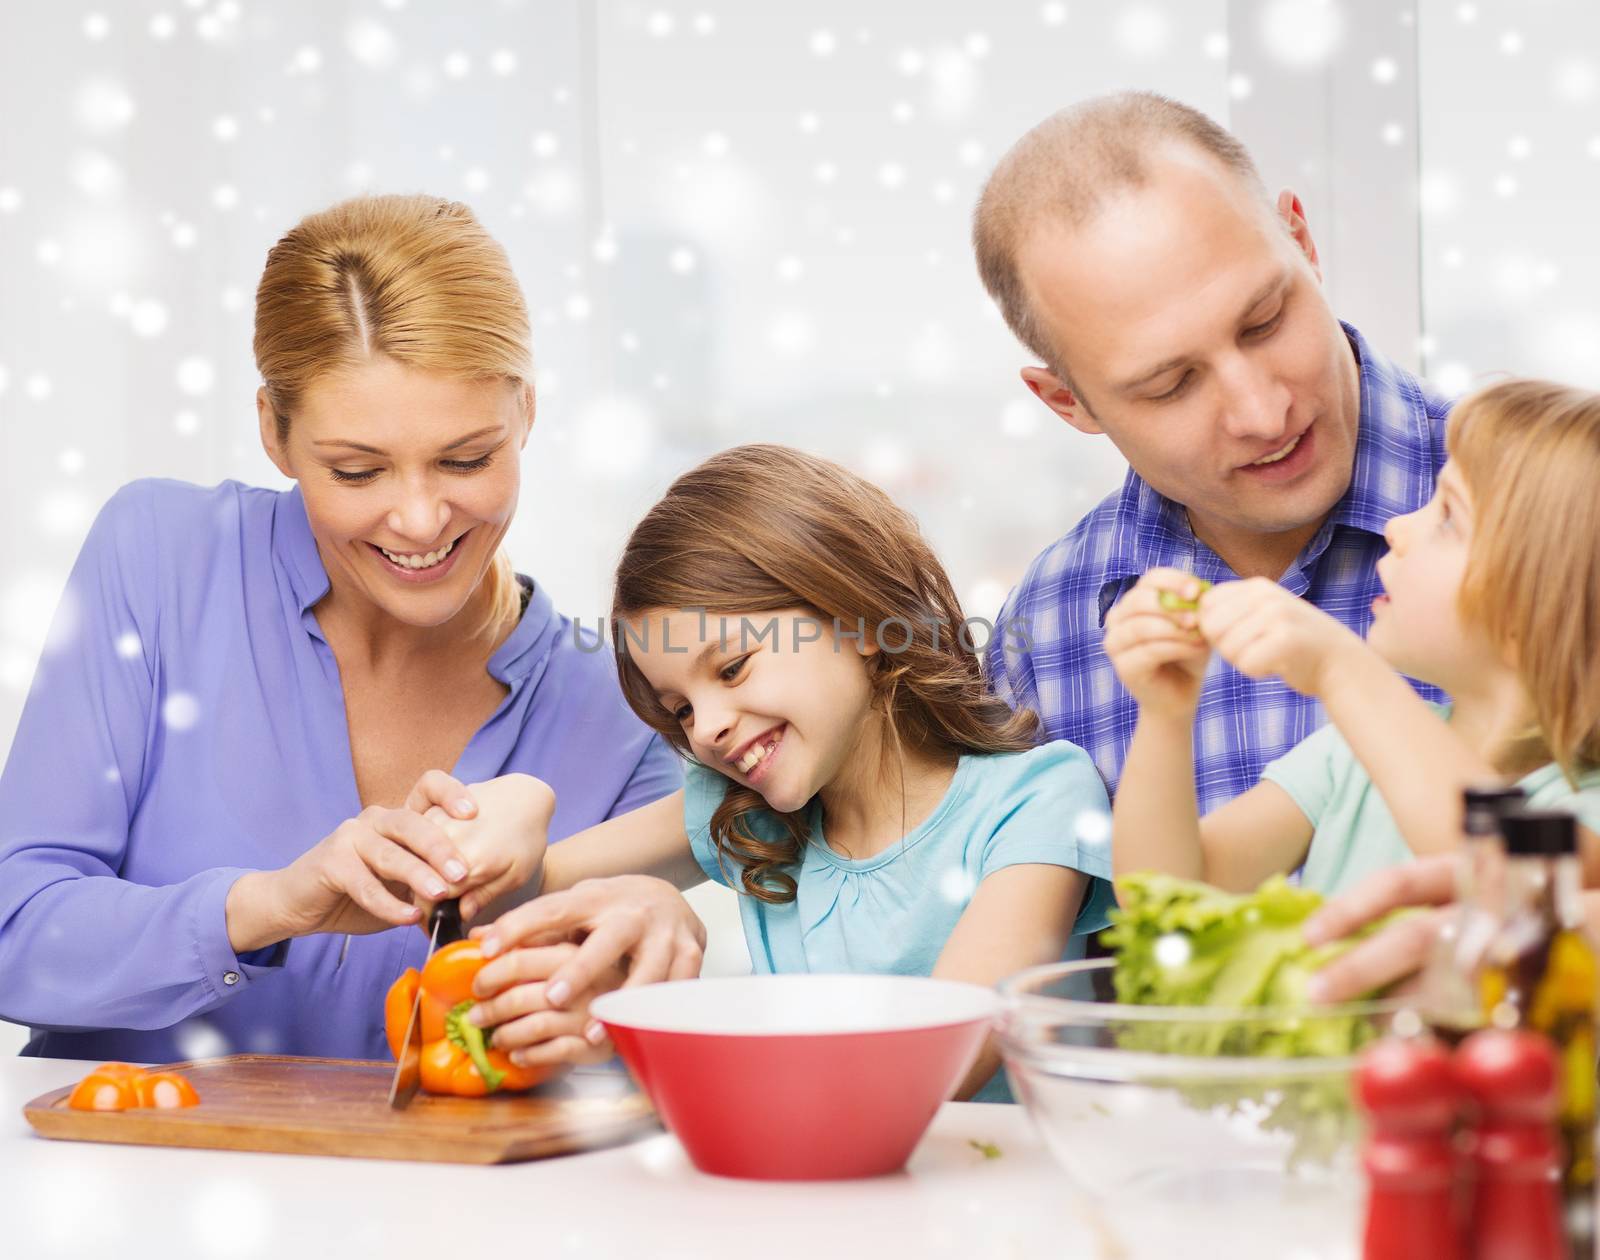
(415, 279)
(1530, 454)
(763, 528)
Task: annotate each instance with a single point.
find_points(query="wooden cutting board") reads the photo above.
(295, 1106)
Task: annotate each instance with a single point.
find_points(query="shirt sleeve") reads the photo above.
(79, 946)
(659, 773)
(1310, 771)
(703, 790)
(1056, 813)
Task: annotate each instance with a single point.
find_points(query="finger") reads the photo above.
(521, 966)
(484, 896)
(438, 788)
(650, 961)
(1179, 582)
(1143, 627)
(1141, 661)
(423, 838)
(687, 960)
(397, 865)
(1429, 881)
(562, 1050)
(553, 917)
(1394, 953)
(540, 1026)
(603, 949)
(364, 888)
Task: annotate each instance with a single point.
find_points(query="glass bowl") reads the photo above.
(1183, 1126)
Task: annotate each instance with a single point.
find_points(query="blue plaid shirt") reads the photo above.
(1059, 608)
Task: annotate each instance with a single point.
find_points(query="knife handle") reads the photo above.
(447, 921)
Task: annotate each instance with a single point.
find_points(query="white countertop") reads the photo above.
(644, 1201)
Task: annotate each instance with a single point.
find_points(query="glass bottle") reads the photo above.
(1541, 974)
(1450, 999)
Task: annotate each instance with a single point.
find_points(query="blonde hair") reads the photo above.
(1529, 452)
(765, 528)
(1065, 168)
(413, 278)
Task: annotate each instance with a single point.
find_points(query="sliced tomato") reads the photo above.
(110, 1087)
(166, 1090)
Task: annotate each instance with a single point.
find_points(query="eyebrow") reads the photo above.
(373, 450)
(705, 655)
(1161, 369)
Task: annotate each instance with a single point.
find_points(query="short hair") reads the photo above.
(1067, 167)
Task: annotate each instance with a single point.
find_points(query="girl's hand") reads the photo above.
(358, 879)
(503, 843)
(1154, 645)
(526, 1024)
(636, 923)
(1263, 631)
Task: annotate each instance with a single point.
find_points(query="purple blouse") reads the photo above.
(187, 725)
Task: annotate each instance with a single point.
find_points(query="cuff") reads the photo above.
(225, 973)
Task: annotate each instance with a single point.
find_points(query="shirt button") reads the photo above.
(230, 977)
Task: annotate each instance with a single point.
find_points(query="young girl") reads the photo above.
(1493, 594)
(787, 628)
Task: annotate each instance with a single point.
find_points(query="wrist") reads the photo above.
(252, 917)
(1347, 657)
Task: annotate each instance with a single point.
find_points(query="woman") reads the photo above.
(235, 672)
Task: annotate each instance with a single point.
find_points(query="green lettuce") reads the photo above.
(1178, 942)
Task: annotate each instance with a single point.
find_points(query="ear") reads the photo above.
(1054, 394)
(268, 420)
(1293, 215)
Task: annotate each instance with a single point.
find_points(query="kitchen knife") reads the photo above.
(445, 928)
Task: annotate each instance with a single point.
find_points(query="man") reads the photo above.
(1130, 244)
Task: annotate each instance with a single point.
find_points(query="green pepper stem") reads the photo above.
(469, 1037)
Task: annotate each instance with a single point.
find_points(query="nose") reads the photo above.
(1397, 529)
(714, 724)
(1256, 405)
(419, 515)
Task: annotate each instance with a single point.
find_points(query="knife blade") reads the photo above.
(445, 927)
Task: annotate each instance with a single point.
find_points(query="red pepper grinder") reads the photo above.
(1411, 1097)
(1513, 1079)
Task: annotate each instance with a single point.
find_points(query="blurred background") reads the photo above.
(732, 222)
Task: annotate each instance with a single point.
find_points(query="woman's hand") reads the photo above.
(526, 1024)
(1265, 632)
(1153, 643)
(503, 843)
(632, 929)
(1398, 951)
(357, 879)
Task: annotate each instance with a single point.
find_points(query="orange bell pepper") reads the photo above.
(456, 1058)
(121, 1086)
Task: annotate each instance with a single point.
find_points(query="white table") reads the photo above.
(644, 1201)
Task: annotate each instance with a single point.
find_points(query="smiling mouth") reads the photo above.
(1282, 453)
(420, 559)
(760, 750)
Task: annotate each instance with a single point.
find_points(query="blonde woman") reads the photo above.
(1491, 592)
(213, 807)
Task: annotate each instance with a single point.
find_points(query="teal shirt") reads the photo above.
(892, 913)
(1354, 832)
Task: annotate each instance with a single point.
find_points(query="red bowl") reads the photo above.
(799, 1077)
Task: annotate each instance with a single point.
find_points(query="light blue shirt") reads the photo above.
(187, 725)
(892, 913)
(1354, 832)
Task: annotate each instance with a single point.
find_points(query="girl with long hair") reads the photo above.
(785, 626)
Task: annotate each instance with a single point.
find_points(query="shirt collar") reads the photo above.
(1148, 529)
(525, 650)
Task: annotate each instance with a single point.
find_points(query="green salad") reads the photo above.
(1179, 942)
